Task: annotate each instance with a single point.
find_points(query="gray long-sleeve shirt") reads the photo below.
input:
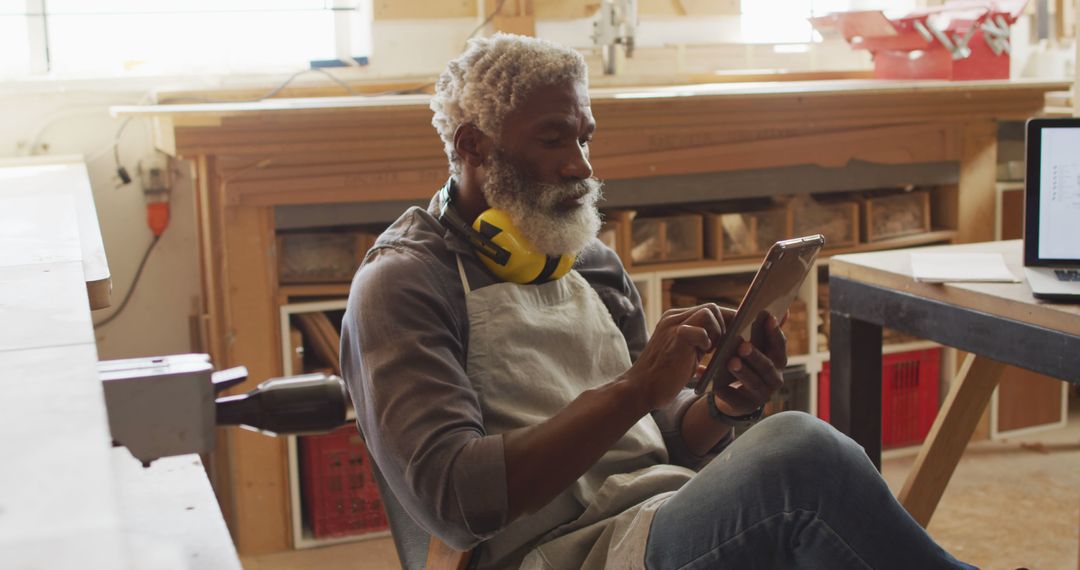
(404, 343)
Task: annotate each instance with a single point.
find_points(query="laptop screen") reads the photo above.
(1052, 223)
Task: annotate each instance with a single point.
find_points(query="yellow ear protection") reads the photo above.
(502, 248)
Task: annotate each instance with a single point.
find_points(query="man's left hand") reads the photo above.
(758, 371)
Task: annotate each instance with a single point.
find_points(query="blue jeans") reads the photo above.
(791, 492)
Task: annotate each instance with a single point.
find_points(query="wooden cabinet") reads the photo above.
(356, 160)
(1024, 401)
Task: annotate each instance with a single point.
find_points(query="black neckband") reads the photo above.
(449, 217)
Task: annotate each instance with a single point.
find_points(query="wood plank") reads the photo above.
(1027, 399)
(952, 429)
(889, 146)
(99, 293)
(186, 516)
(54, 434)
(44, 304)
(208, 212)
(422, 9)
(761, 92)
(49, 216)
(40, 220)
(369, 187)
(1012, 214)
(321, 338)
(340, 290)
(258, 466)
(978, 178)
(565, 9)
(57, 485)
(892, 269)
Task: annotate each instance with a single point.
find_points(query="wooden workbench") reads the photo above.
(999, 323)
(255, 160)
(68, 498)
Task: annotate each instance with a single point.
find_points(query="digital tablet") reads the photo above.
(774, 287)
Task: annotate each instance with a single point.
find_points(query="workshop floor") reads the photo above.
(1010, 504)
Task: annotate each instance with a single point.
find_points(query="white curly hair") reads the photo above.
(491, 78)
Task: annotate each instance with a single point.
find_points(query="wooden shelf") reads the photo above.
(710, 266)
(316, 290)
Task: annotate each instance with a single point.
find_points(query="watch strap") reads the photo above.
(733, 421)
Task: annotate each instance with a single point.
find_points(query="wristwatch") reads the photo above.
(734, 421)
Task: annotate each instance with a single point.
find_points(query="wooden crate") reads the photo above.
(321, 257)
(837, 220)
(660, 238)
(611, 234)
(797, 328)
(745, 234)
(895, 215)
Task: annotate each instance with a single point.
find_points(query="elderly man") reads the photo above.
(529, 415)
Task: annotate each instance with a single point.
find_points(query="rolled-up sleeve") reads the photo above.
(403, 348)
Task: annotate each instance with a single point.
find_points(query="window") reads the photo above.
(111, 37)
(785, 21)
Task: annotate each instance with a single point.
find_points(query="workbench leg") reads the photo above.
(955, 422)
(855, 381)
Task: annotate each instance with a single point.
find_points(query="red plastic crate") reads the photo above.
(341, 496)
(909, 395)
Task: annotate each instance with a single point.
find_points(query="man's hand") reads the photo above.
(671, 357)
(759, 372)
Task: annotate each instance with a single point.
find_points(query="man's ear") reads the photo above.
(472, 145)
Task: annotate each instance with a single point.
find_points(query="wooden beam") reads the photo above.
(422, 9)
(258, 465)
(978, 176)
(949, 436)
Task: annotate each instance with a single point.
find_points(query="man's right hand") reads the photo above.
(671, 356)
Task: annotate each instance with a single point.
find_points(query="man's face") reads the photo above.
(540, 173)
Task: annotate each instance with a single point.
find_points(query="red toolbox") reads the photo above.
(909, 395)
(959, 40)
(341, 496)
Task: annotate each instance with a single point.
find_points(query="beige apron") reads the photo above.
(532, 350)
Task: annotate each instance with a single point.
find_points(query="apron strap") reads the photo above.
(461, 272)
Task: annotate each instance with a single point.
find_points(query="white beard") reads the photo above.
(533, 207)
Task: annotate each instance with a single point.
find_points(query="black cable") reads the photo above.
(121, 171)
(134, 282)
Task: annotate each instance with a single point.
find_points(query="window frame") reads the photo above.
(40, 66)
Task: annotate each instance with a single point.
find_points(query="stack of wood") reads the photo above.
(323, 340)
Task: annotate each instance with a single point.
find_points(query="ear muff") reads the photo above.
(501, 247)
(525, 264)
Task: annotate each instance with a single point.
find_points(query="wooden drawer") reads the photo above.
(745, 234)
(659, 238)
(837, 220)
(895, 215)
(321, 257)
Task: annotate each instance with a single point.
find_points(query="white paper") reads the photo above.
(948, 267)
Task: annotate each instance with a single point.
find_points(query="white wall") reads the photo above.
(75, 120)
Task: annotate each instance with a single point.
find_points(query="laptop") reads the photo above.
(1052, 209)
